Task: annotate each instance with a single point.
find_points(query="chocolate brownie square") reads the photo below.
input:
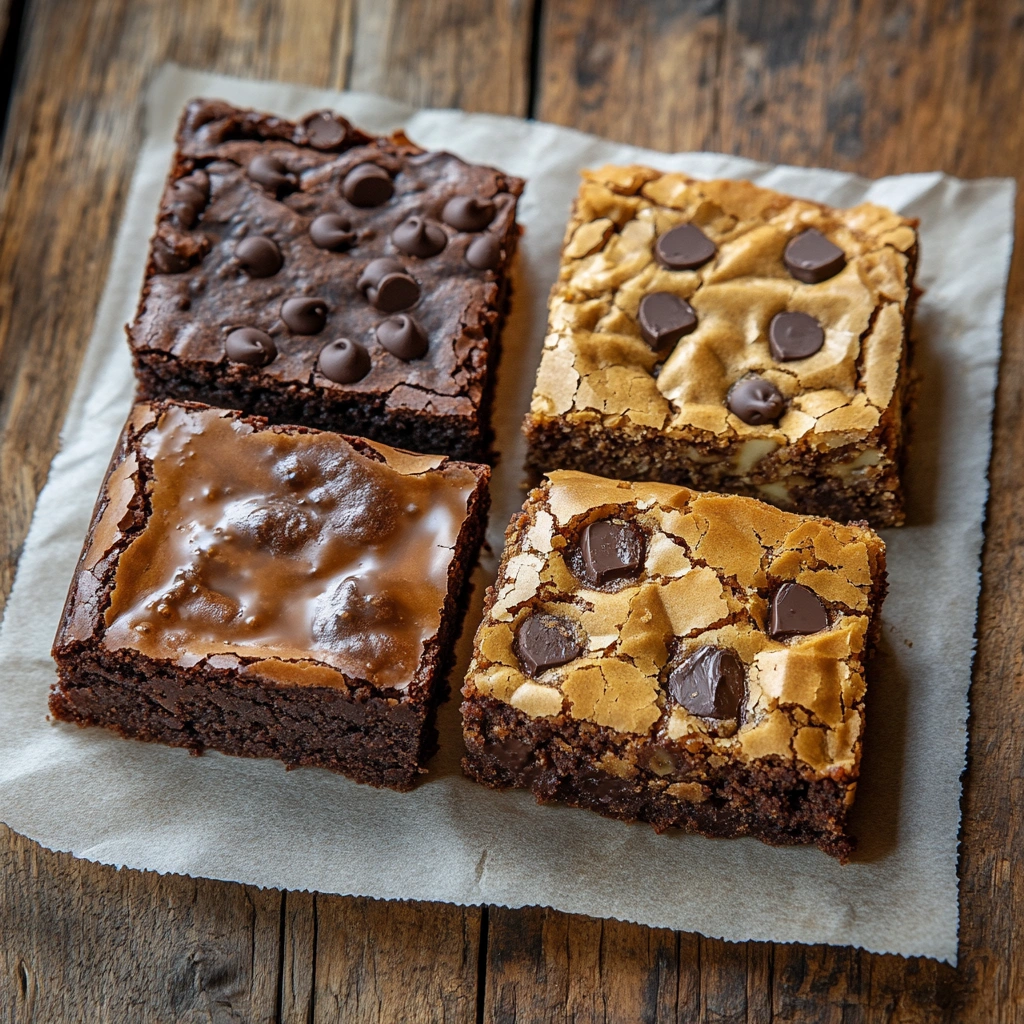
(270, 591)
(310, 273)
(688, 659)
(726, 337)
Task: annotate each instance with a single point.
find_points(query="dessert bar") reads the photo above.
(310, 273)
(270, 591)
(726, 337)
(688, 659)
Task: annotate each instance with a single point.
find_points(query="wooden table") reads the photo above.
(875, 86)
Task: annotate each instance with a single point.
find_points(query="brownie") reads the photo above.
(689, 659)
(310, 273)
(270, 591)
(726, 337)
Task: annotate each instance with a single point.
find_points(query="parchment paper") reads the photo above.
(147, 806)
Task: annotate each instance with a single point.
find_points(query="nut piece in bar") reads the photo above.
(225, 598)
(702, 667)
(313, 231)
(725, 337)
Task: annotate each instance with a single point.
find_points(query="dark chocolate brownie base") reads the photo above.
(555, 759)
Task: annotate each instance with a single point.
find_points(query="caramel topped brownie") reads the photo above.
(684, 658)
(310, 273)
(270, 591)
(727, 337)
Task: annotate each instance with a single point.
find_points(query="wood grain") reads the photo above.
(876, 86)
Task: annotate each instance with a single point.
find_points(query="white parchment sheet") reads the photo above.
(147, 806)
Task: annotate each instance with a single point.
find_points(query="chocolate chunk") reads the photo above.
(250, 346)
(270, 172)
(387, 286)
(709, 683)
(189, 196)
(756, 401)
(402, 336)
(665, 318)
(332, 231)
(812, 258)
(467, 213)
(367, 185)
(344, 361)
(544, 641)
(796, 611)
(611, 551)
(304, 316)
(324, 130)
(484, 253)
(418, 236)
(259, 255)
(167, 259)
(794, 336)
(684, 248)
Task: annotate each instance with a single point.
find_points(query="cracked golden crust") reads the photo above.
(598, 372)
(712, 562)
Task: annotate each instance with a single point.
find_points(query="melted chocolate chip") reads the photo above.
(333, 232)
(324, 130)
(367, 185)
(709, 683)
(756, 401)
(167, 260)
(304, 316)
(189, 196)
(665, 318)
(344, 361)
(794, 336)
(796, 611)
(270, 172)
(250, 346)
(611, 551)
(402, 336)
(544, 641)
(467, 213)
(812, 258)
(420, 237)
(259, 255)
(684, 248)
(388, 286)
(484, 253)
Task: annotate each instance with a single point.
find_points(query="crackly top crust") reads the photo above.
(596, 363)
(190, 311)
(711, 566)
(299, 556)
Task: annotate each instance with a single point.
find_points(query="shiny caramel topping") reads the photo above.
(287, 546)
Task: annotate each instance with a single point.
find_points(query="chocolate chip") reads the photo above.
(167, 259)
(796, 611)
(250, 346)
(756, 401)
(484, 253)
(387, 286)
(324, 130)
(344, 361)
(332, 231)
(367, 185)
(611, 551)
(794, 336)
(402, 336)
(544, 641)
(467, 213)
(304, 316)
(270, 172)
(684, 248)
(189, 196)
(418, 236)
(665, 318)
(812, 258)
(259, 255)
(709, 683)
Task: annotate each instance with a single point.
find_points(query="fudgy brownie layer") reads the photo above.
(555, 759)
